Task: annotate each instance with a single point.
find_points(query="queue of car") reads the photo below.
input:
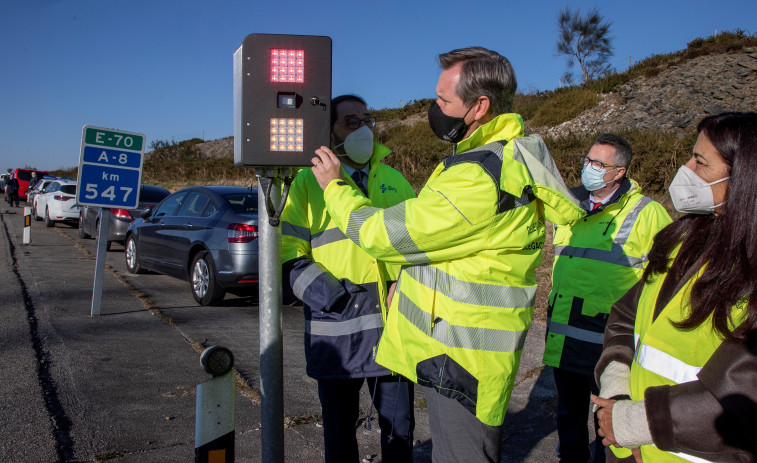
(205, 235)
(120, 219)
(38, 187)
(56, 203)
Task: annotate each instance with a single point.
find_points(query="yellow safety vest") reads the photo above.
(596, 261)
(666, 355)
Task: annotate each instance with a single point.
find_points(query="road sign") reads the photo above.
(110, 168)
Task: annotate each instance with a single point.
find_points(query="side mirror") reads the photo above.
(146, 212)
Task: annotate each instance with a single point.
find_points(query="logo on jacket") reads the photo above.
(385, 188)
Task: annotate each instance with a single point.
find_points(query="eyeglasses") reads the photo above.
(354, 122)
(596, 165)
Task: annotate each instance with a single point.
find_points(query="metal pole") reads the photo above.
(271, 337)
(102, 252)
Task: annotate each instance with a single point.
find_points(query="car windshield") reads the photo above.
(243, 202)
(68, 189)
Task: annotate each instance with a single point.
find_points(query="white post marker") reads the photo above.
(110, 173)
(27, 238)
(215, 408)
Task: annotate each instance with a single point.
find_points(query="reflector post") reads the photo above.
(282, 99)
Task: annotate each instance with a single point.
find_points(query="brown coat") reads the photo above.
(715, 417)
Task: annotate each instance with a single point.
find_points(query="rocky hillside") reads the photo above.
(674, 100)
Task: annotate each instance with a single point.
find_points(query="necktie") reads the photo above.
(358, 177)
(595, 206)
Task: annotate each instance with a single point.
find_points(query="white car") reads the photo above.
(57, 203)
(39, 187)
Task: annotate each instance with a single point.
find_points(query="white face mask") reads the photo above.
(691, 194)
(359, 145)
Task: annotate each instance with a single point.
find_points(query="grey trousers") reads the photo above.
(457, 436)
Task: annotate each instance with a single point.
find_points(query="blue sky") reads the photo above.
(164, 67)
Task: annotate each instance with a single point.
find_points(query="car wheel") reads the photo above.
(132, 256)
(205, 288)
(82, 234)
(48, 222)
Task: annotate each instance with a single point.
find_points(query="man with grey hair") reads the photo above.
(596, 261)
(468, 245)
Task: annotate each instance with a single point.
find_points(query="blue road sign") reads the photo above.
(109, 172)
(119, 158)
(107, 186)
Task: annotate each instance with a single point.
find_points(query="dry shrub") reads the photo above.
(416, 151)
(563, 105)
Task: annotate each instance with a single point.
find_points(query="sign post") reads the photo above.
(110, 172)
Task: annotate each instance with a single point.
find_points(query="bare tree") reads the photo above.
(586, 40)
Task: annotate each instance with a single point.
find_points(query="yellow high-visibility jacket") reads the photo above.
(469, 244)
(342, 287)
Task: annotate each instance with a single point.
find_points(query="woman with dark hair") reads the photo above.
(678, 373)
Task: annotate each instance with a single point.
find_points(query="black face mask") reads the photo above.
(448, 128)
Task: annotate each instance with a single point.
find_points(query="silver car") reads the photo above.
(205, 235)
(120, 219)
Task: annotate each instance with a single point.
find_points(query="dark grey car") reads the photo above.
(120, 219)
(205, 235)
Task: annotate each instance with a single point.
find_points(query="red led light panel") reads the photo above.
(287, 65)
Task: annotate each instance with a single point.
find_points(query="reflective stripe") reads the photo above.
(625, 229)
(307, 276)
(614, 256)
(332, 235)
(356, 221)
(295, 231)
(399, 236)
(457, 336)
(343, 328)
(450, 203)
(576, 333)
(691, 457)
(665, 365)
(466, 292)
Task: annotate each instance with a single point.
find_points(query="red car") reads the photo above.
(23, 176)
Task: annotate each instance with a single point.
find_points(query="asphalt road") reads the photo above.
(120, 387)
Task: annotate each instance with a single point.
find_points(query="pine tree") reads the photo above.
(586, 40)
